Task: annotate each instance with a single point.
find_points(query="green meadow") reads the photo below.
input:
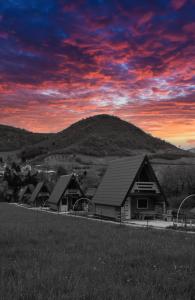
(45, 256)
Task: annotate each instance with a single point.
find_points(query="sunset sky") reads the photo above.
(61, 61)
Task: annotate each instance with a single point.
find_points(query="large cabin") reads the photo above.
(130, 190)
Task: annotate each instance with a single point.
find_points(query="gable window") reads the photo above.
(142, 203)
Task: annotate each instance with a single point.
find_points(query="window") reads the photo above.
(142, 203)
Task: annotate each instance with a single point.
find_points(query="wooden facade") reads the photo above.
(130, 190)
(66, 192)
(25, 193)
(40, 194)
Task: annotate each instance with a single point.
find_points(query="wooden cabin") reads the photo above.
(25, 193)
(65, 193)
(40, 194)
(130, 190)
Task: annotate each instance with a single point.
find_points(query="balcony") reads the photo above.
(72, 191)
(142, 187)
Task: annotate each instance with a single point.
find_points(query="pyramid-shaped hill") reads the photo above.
(102, 135)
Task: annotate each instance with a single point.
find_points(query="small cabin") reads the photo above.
(130, 190)
(65, 193)
(40, 194)
(25, 193)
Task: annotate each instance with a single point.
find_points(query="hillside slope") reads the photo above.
(100, 135)
(192, 150)
(12, 138)
(105, 135)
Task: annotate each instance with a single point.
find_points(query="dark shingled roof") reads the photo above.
(117, 180)
(61, 187)
(28, 189)
(22, 192)
(36, 191)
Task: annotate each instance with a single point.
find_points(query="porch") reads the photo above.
(69, 199)
(144, 206)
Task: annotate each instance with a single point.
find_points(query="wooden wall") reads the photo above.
(107, 211)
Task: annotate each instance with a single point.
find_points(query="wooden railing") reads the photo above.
(72, 191)
(145, 186)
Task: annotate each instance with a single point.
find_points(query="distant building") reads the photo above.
(40, 194)
(130, 190)
(65, 193)
(25, 193)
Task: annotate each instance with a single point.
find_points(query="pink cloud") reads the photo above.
(190, 27)
(145, 18)
(191, 142)
(3, 35)
(177, 4)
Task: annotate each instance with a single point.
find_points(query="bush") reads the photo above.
(91, 179)
(31, 152)
(178, 181)
(61, 171)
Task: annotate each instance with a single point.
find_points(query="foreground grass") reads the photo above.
(46, 256)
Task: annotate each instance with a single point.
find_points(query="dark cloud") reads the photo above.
(87, 57)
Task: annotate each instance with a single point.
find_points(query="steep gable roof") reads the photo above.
(61, 187)
(37, 190)
(27, 189)
(22, 192)
(118, 180)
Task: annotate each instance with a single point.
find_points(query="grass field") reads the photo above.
(44, 256)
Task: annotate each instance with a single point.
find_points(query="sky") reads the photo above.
(62, 61)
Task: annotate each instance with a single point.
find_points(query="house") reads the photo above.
(25, 193)
(65, 193)
(40, 194)
(130, 189)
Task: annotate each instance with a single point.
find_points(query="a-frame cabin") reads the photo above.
(65, 193)
(130, 190)
(25, 193)
(40, 194)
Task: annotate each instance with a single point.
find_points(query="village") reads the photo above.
(129, 192)
(88, 229)
(97, 150)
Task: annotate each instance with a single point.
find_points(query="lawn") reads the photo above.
(44, 256)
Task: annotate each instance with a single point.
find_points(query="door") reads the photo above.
(127, 208)
(64, 204)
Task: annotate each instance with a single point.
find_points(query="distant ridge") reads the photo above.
(105, 135)
(192, 150)
(12, 138)
(100, 135)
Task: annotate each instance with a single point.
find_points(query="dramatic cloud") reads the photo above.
(177, 4)
(64, 60)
